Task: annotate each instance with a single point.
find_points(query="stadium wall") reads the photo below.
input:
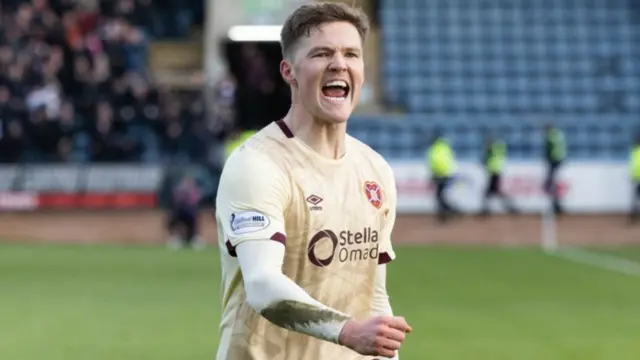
(124, 204)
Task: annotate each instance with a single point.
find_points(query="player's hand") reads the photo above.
(377, 336)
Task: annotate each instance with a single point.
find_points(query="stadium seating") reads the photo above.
(463, 65)
(588, 137)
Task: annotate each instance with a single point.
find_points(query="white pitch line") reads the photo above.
(608, 262)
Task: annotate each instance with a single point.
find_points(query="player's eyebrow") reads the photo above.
(353, 50)
(317, 49)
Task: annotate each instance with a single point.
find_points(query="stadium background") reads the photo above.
(106, 105)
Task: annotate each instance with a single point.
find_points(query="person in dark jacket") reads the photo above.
(183, 220)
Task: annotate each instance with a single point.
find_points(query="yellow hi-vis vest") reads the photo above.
(558, 146)
(497, 157)
(231, 145)
(635, 164)
(441, 159)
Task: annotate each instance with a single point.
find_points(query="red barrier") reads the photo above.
(97, 201)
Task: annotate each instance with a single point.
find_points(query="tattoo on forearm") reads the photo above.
(305, 318)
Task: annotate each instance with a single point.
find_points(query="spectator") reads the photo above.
(43, 133)
(5, 97)
(69, 72)
(67, 120)
(107, 144)
(13, 143)
(47, 95)
(134, 46)
(198, 138)
(173, 136)
(139, 104)
(67, 129)
(183, 218)
(219, 117)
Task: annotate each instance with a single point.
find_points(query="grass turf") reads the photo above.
(108, 302)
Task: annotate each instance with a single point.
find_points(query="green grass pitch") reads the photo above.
(138, 303)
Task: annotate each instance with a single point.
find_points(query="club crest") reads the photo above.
(374, 193)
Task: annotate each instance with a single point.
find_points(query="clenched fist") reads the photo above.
(377, 336)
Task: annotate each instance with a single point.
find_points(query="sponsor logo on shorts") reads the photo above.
(248, 221)
(327, 246)
(373, 192)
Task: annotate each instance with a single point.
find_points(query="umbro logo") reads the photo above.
(314, 200)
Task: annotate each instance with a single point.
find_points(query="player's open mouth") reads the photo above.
(335, 90)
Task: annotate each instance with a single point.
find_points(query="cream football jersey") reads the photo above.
(335, 219)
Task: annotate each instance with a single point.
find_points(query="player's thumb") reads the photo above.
(401, 324)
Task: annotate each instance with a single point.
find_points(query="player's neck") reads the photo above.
(325, 138)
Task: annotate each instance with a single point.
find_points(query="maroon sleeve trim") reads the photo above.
(231, 249)
(285, 129)
(384, 258)
(279, 237)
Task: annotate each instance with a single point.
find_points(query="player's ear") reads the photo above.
(288, 73)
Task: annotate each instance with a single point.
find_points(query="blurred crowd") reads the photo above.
(74, 84)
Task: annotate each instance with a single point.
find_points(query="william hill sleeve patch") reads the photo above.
(248, 221)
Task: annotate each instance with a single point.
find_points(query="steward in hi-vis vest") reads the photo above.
(442, 163)
(495, 157)
(555, 151)
(634, 168)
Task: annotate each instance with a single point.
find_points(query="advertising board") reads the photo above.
(96, 187)
(585, 187)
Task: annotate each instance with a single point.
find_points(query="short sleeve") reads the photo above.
(252, 197)
(386, 253)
